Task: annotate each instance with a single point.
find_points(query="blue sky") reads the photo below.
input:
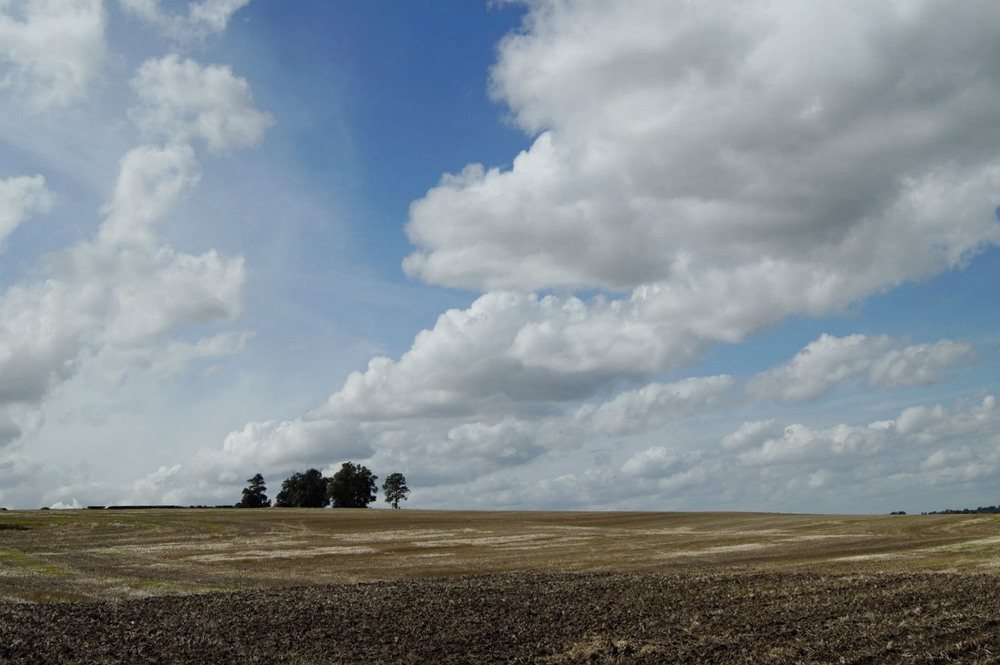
(582, 255)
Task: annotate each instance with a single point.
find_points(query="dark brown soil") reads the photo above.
(534, 618)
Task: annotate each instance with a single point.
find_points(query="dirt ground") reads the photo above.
(534, 618)
(324, 586)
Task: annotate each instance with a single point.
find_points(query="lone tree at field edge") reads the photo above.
(253, 494)
(303, 490)
(395, 489)
(353, 486)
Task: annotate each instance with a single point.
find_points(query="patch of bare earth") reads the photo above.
(534, 618)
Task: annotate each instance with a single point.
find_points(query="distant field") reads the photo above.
(95, 554)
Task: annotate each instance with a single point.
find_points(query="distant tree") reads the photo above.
(303, 490)
(254, 494)
(395, 489)
(353, 486)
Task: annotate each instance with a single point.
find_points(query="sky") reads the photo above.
(536, 255)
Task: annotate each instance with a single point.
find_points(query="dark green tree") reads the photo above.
(303, 490)
(395, 489)
(254, 494)
(353, 486)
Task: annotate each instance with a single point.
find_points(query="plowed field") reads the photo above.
(423, 587)
(534, 618)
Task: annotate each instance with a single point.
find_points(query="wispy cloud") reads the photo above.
(20, 198)
(201, 20)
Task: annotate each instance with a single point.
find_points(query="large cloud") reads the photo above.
(50, 50)
(680, 143)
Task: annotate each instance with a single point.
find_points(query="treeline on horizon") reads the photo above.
(981, 510)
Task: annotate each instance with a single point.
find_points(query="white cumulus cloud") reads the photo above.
(681, 145)
(183, 100)
(657, 404)
(656, 461)
(830, 361)
(921, 364)
(50, 50)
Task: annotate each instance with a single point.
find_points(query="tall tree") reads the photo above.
(353, 486)
(254, 494)
(303, 490)
(395, 489)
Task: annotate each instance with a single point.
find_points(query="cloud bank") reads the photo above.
(709, 171)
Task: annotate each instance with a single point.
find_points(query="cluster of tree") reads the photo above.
(353, 486)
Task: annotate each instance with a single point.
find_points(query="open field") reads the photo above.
(92, 554)
(318, 586)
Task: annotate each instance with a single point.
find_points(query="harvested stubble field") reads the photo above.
(324, 586)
